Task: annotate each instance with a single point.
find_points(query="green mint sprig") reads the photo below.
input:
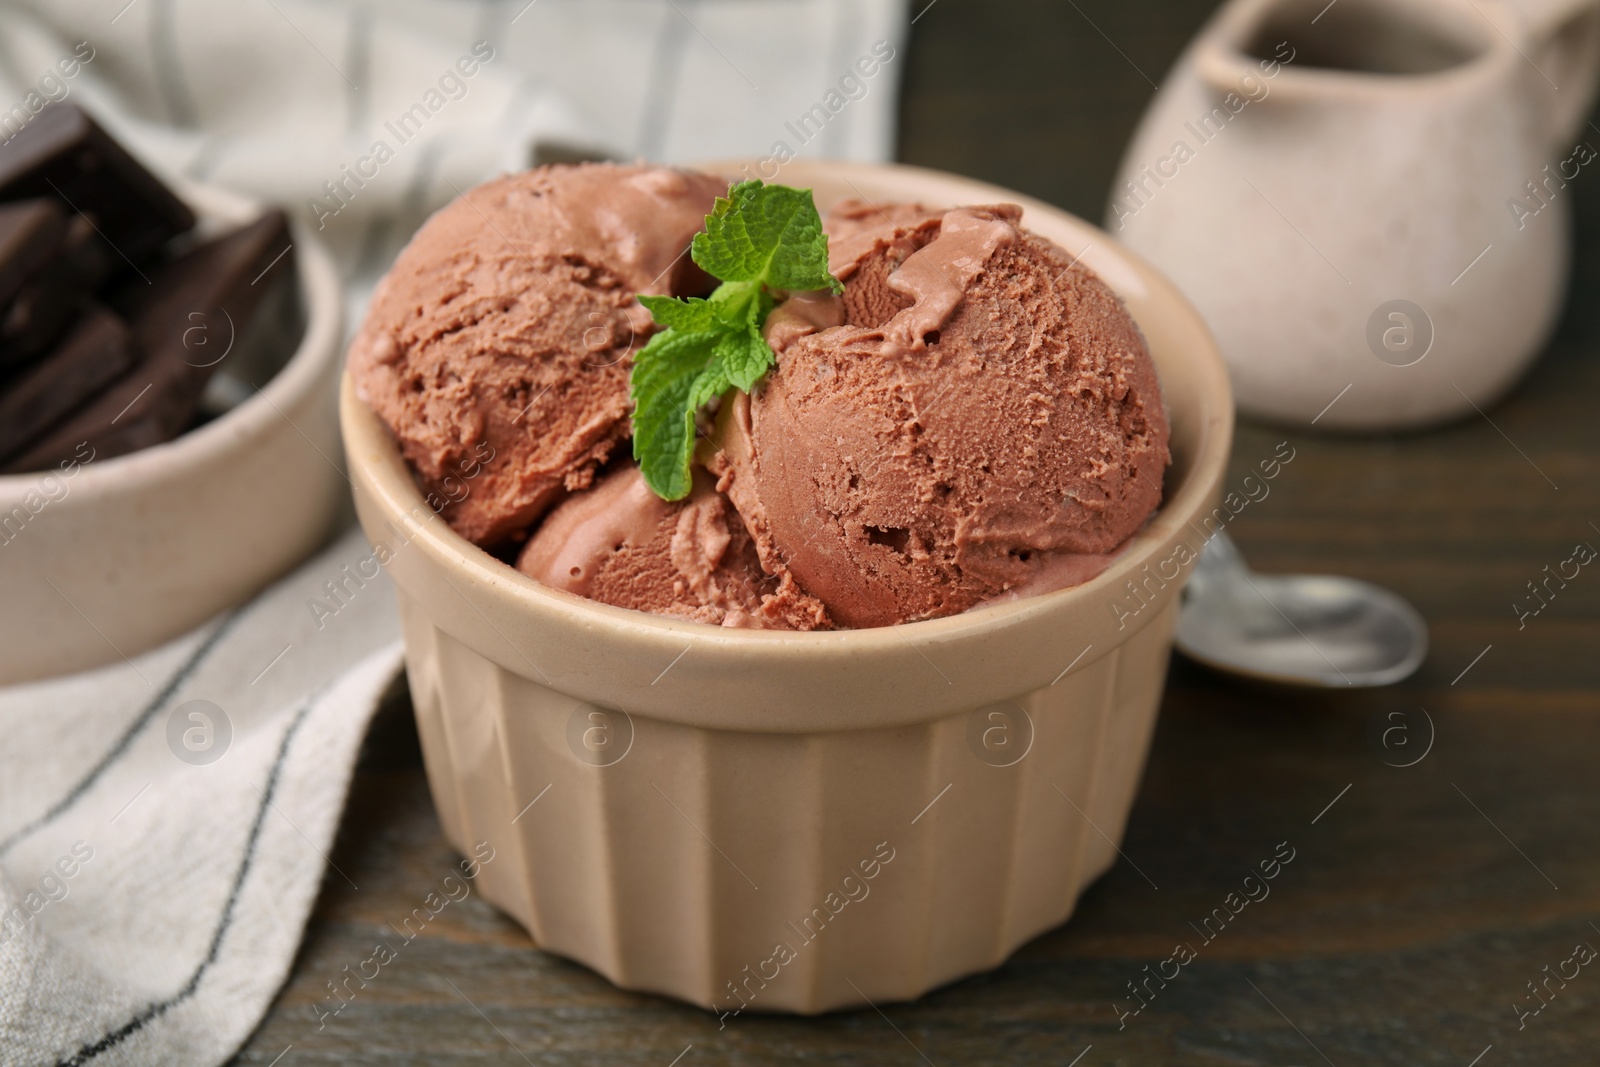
(759, 238)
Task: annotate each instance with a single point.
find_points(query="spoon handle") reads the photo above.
(1219, 561)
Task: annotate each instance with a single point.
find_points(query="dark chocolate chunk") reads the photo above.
(64, 154)
(30, 233)
(197, 304)
(265, 344)
(186, 324)
(42, 308)
(93, 355)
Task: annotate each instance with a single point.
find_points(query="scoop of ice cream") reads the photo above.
(868, 243)
(498, 347)
(986, 419)
(850, 219)
(620, 544)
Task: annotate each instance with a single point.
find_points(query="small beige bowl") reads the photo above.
(129, 552)
(799, 822)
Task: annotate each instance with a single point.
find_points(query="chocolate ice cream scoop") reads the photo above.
(509, 321)
(620, 544)
(987, 419)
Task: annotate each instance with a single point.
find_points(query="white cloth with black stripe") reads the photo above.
(154, 903)
(164, 822)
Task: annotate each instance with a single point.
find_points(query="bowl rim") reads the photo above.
(378, 469)
(192, 452)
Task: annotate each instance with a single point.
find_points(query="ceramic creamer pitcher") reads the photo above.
(1368, 199)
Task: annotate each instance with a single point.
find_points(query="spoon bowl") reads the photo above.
(1315, 631)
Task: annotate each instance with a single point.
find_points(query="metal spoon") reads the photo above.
(1310, 630)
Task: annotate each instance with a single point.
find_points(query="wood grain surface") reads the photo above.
(1421, 899)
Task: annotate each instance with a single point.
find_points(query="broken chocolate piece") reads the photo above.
(64, 154)
(42, 308)
(29, 234)
(186, 323)
(93, 355)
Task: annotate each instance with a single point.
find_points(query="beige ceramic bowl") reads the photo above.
(798, 822)
(129, 552)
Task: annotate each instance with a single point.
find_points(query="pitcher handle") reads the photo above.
(1564, 36)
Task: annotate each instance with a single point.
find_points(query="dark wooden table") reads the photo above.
(1422, 898)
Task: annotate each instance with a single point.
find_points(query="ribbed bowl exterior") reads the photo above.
(764, 821)
(683, 866)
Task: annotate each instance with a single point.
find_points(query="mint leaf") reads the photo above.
(758, 238)
(679, 314)
(766, 233)
(744, 358)
(741, 349)
(731, 303)
(669, 383)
